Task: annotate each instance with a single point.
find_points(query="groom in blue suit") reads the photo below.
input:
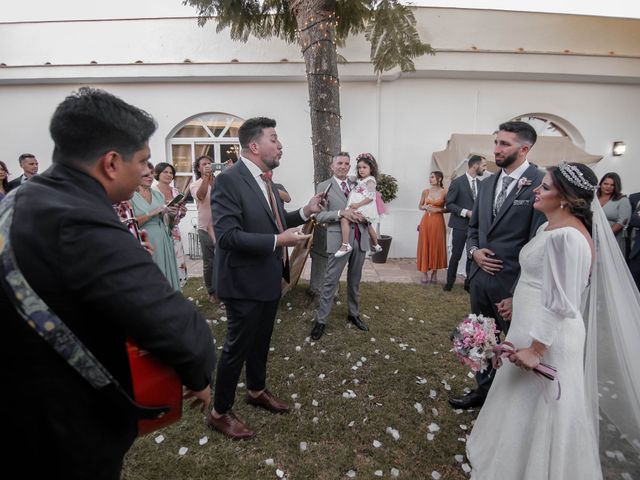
(502, 222)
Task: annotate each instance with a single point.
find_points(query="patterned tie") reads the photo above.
(345, 188)
(266, 177)
(506, 181)
(474, 188)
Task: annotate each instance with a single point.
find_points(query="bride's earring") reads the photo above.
(562, 205)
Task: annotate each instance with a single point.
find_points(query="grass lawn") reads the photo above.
(347, 390)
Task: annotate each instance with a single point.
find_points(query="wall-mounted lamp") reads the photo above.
(619, 148)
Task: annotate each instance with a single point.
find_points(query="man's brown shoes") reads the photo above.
(231, 426)
(268, 401)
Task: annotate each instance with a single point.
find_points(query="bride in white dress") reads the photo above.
(522, 431)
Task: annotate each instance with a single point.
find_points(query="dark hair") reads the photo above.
(523, 131)
(474, 160)
(5, 181)
(161, 167)
(252, 129)
(617, 185)
(25, 156)
(90, 122)
(196, 165)
(340, 154)
(578, 199)
(369, 160)
(439, 175)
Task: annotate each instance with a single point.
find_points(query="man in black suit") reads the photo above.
(251, 259)
(78, 257)
(459, 201)
(634, 228)
(502, 222)
(29, 165)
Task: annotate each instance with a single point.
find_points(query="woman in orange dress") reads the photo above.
(432, 250)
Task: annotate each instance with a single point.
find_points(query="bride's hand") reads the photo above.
(505, 308)
(526, 358)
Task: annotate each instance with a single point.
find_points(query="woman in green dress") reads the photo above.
(151, 213)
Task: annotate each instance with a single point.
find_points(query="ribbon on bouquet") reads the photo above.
(506, 349)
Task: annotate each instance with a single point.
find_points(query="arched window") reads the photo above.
(212, 134)
(547, 124)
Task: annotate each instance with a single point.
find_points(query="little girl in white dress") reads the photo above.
(362, 198)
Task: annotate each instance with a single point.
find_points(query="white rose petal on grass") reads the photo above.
(321, 376)
(351, 423)
(421, 381)
(418, 407)
(315, 419)
(432, 393)
(463, 427)
(396, 372)
(294, 396)
(303, 446)
(463, 440)
(348, 355)
(190, 299)
(433, 427)
(373, 340)
(291, 375)
(298, 348)
(435, 475)
(378, 473)
(241, 385)
(377, 444)
(430, 436)
(159, 439)
(394, 433)
(376, 307)
(286, 358)
(466, 468)
(269, 461)
(386, 357)
(297, 406)
(183, 450)
(203, 440)
(434, 411)
(351, 474)
(223, 319)
(392, 340)
(314, 403)
(471, 375)
(279, 473)
(459, 458)
(272, 349)
(395, 472)
(626, 476)
(278, 320)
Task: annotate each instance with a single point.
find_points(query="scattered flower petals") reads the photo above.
(351, 474)
(351, 423)
(279, 473)
(269, 461)
(373, 340)
(435, 475)
(463, 427)
(386, 357)
(321, 376)
(421, 381)
(471, 375)
(303, 446)
(395, 472)
(376, 444)
(466, 468)
(376, 307)
(183, 450)
(349, 394)
(394, 433)
(432, 393)
(314, 403)
(203, 440)
(159, 439)
(434, 411)
(297, 406)
(418, 407)
(298, 348)
(459, 458)
(433, 427)
(430, 436)
(315, 419)
(378, 473)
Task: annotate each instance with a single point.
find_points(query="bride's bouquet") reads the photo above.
(474, 341)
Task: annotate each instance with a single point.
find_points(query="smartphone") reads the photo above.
(326, 191)
(175, 200)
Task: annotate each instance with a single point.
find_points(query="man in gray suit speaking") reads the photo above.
(502, 222)
(338, 188)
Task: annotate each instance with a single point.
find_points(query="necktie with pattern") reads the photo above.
(502, 196)
(474, 188)
(266, 177)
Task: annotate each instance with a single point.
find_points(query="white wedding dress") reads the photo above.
(522, 431)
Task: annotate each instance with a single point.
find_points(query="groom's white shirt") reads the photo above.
(516, 174)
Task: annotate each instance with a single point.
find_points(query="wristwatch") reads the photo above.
(471, 250)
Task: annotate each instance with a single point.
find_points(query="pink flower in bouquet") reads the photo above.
(474, 340)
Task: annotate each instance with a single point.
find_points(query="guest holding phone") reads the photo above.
(149, 208)
(164, 173)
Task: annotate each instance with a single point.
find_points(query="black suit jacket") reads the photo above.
(15, 183)
(459, 197)
(247, 265)
(74, 251)
(516, 223)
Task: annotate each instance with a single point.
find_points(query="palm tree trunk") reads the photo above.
(317, 29)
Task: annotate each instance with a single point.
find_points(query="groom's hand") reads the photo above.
(505, 308)
(484, 258)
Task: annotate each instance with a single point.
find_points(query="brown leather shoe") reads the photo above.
(231, 426)
(269, 402)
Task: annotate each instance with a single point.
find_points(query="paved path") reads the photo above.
(396, 270)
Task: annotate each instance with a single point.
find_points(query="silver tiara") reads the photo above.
(574, 176)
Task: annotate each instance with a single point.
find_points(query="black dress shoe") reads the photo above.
(470, 400)
(317, 331)
(446, 287)
(358, 323)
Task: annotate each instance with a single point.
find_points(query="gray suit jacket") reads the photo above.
(459, 197)
(337, 201)
(515, 224)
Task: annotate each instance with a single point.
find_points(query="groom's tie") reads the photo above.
(506, 181)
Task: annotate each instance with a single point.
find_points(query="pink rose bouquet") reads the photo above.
(474, 341)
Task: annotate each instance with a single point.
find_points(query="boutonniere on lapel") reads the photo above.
(522, 183)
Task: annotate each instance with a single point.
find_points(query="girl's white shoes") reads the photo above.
(346, 248)
(376, 248)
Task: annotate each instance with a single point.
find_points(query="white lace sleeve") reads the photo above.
(565, 275)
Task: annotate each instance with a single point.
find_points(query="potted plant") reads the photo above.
(388, 188)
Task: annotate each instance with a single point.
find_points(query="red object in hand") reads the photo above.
(154, 385)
